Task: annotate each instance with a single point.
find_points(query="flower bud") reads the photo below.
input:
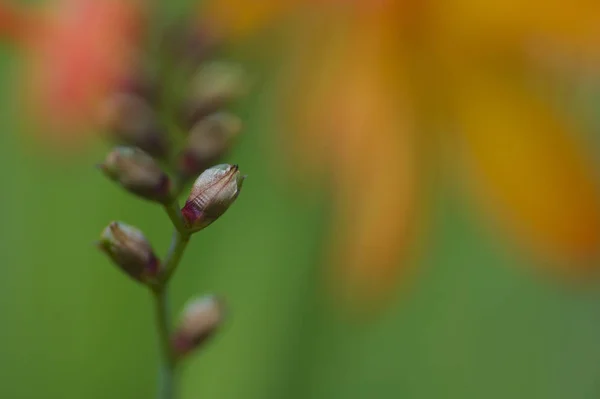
(200, 319)
(138, 173)
(207, 142)
(140, 84)
(188, 42)
(214, 86)
(129, 249)
(213, 192)
(130, 119)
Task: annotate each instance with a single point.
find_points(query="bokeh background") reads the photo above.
(469, 310)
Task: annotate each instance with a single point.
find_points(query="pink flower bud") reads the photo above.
(214, 86)
(129, 249)
(212, 194)
(208, 141)
(129, 118)
(200, 319)
(138, 173)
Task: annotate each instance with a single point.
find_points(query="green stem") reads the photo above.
(174, 214)
(167, 376)
(160, 293)
(178, 244)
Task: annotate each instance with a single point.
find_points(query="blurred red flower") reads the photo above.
(74, 53)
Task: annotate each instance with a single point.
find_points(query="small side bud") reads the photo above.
(130, 119)
(212, 194)
(208, 141)
(138, 173)
(129, 249)
(214, 86)
(189, 42)
(139, 83)
(200, 319)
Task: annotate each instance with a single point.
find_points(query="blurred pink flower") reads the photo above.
(75, 51)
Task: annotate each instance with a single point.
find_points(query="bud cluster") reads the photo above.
(164, 139)
(212, 130)
(183, 118)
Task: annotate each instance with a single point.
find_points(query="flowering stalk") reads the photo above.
(148, 164)
(218, 187)
(212, 194)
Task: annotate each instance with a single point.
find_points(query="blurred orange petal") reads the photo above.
(76, 57)
(493, 24)
(348, 117)
(373, 214)
(530, 166)
(240, 18)
(305, 95)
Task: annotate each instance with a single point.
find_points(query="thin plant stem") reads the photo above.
(168, 368)
(166, 389)
(174, 214)
(178, 245)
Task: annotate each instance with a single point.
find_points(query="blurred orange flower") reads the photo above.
(76, 50)
(364, 78)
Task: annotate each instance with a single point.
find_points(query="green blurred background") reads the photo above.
(476, 324)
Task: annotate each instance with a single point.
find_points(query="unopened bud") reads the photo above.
(200, 319)
(190, 42)
(214, 86)
(213, 192)
(138, 84)
(129, 249)
(208, 141)
(138, 173)
(130, 119)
